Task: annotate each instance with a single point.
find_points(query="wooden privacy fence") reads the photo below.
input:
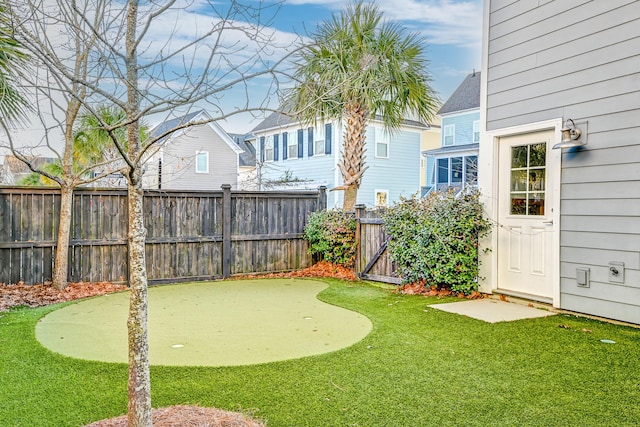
(372, 257)
(191, 235)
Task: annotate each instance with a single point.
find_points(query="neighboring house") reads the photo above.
(199, 157)
(429, 140)
(247, 162)
(568, 219)
(13, 170)
(308, 156)
(455, 162)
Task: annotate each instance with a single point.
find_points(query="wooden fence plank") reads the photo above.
(192, 235)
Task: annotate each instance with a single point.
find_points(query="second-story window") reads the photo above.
(476, 131)
(382, 143)
(268, 149)
(449, 135)
(202, 162)
(318, 144)
(292, 146)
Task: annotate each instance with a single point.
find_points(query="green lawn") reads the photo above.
(418, 367)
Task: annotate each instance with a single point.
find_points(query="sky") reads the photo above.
(452, 30)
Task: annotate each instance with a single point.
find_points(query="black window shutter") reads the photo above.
(327, 138)
(285, 145)
(300, 143)
(310, 141)
(262, 148)
(276, 147)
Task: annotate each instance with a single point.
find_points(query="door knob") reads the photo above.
(550, 222)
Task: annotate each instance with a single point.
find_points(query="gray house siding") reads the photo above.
(579, 59)
(178, 161)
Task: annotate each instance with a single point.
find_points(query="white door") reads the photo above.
(526, 212)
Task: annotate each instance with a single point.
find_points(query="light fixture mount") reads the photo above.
(571, 136)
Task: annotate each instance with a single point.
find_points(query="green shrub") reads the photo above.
(332, 234)
(435, 239)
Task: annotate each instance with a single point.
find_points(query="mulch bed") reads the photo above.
(44, 294)
(420, 288)
(187, 416)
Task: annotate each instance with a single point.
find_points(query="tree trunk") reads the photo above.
(352, 157)
(61, 263)
(350, 196)
(139, 389)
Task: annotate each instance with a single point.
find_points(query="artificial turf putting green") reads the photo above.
(224, 323)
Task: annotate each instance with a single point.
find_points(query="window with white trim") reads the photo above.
(476, 131)
(318, 143)
(292, 145)
(382, 198)
(202, 162)
(449, 134)
(382, 143)
(268, 149)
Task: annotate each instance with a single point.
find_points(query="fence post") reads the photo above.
(359, 213)
(226, 230)
(322, 197)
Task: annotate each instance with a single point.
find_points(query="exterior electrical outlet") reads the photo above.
(616, 272)
(582, 277)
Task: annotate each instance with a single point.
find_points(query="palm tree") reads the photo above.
(93, 147)
(13, 105)
(361, 67)
(93, 140)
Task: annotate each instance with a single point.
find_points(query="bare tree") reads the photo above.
(62, 79)
(153, 59)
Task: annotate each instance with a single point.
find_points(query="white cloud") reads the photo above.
(448, 22)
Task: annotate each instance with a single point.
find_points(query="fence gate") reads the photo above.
(372, 258)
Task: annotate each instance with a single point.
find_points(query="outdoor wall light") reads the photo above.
(571, 136)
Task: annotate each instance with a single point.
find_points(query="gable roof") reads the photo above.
(172, 123)
(248, 157)
(274, 120)
(465, 97)
(187, 118)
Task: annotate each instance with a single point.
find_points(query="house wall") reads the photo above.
(399, 174)
(578, 59)
(463, 123)
(404, 155)
(430, 140)
(309, 171)
(178, 162)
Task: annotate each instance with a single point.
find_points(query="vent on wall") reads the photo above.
(582, 277)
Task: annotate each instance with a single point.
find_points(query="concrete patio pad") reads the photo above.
(493, 310)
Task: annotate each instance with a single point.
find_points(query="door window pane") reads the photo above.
(535, 204)
(519, 157)
(536, 179)
(537, 154)
(528, 179)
